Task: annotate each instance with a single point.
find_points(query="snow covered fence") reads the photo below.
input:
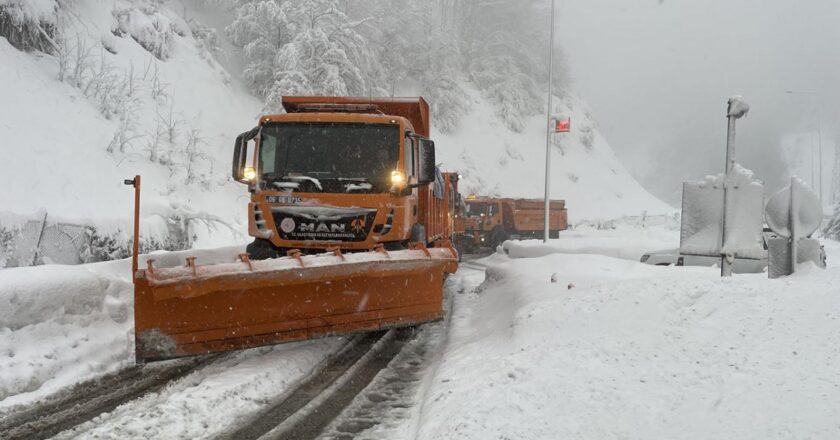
(37, 239)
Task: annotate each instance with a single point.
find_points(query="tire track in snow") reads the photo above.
(388, 407)
(89, 399)
(373, 366)
(305, 411)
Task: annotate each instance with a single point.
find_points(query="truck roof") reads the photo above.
(415, 110)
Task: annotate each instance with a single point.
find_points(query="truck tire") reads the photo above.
(418, 233)
(498, 236)
(261, 249)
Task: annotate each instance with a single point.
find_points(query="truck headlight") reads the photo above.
(397, 178)
(249, 174)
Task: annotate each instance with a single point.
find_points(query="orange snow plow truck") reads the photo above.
(490, 221)
(352, 226)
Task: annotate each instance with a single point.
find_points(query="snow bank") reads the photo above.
(617, 349)
(63, 324)
(625, 242)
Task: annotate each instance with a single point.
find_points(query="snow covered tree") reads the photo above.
(303, 47)
(261, 29)
(387, 47)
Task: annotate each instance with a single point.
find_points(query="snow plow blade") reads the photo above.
(194, 309)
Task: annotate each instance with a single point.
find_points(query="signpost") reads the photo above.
(736, 109)
(561, 123)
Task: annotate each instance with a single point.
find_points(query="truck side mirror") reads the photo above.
(240, 155)
(427, 162)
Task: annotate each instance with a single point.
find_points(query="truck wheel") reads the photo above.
(261, 249)
(418, 233)
(498, 236)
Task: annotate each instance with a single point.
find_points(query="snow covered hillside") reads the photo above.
(497, 161)
(135, 89)
(155, 88)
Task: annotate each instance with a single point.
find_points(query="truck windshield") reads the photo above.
(476, 209)
(329, 156)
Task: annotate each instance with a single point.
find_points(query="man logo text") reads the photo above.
(322, 227)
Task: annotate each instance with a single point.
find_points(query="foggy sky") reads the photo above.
(657, 76)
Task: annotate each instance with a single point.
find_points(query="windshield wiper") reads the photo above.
(309, 179)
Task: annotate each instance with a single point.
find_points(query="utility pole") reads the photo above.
(548, 128)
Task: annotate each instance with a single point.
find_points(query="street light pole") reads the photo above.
(548, 128)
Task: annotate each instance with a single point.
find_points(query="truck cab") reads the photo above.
(481, 215)
(348, 173)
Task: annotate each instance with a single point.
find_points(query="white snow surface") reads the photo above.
(619, 349)
(623, 242)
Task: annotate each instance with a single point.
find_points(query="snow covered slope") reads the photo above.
(497, 161)
(140, 95)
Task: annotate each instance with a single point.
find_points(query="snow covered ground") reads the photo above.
(618, 349)
(612, 349)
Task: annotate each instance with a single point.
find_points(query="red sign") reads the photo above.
(562, 125)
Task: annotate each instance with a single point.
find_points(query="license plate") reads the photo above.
(283, 200)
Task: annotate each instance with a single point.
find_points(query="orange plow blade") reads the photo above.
(193, 309)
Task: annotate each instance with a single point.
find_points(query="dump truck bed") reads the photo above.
(528, 215)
